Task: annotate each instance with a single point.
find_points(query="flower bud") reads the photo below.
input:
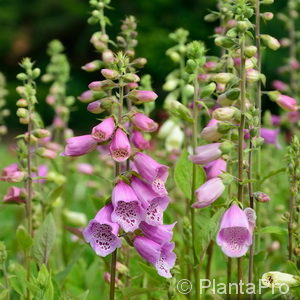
(224, 42)
(24, 121)
(101, 85)
(250, 51)
(75, 218)
(46, 153)
(267, 2)
(22, 113)
(270, 41)
(86, 96)
(208, 90)
(139, 62)
(211, 17)
(170, 85)
(275, 279)
(122, 269)
(22, 103)
(180, 111)
(229, 113)
(223, 77)
(108, 56)
(226, 147)
(242, 26)
(224, 127)
(252, 75)
(41, 133)
(92, 66)
(110, 74)
(261, 197)
(22, 76)
(267, 16)
(139, 96)
(131, 77)
(3, 130)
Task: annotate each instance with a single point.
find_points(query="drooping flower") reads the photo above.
(80, 145)
(153, 203)
(102, 232)
(175, 139)
(251, 216)
(206, 154)
(139, 96)
(211, 133)
(215, 168)
(270, 136)
(280, 85)
(152, 171)
(128, 209)
(103, 131)
(120, 148)
(276, 279)
(15, 195)
(160, 256)
(160, 233)
(234, 236)
(287, 103)
(209, 192)
(144, 123)
(12, 173)
(139, 141)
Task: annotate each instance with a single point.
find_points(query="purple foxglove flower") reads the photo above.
(211, 133)
(79, 145)
(293, 116)
(103, 131)
(154, 204)
(234, 236)
(12, 173)
(270, 136)
(101, 85)
(280, 85)
(128, 210)
(206, 154)
(120, 148)
(15, 195)
(152, 171)
(287, 103)
(209, 192)
(85, 168)
(139, 141)
(251, 217)
(139, 96)
(95, 107)
(161, 256)
(102, 232)
(42, 172)
(159, 234)
(275, 120)
(144, 123)
(215, 168)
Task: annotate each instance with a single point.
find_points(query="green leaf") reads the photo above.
(132, 291)
(183, 174)
(18, 281)
(273, 229)
(44, 240)
(53, 195)
(24, 239)
(272, 173)
(152, 272)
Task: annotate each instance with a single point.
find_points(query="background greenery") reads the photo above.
(28, 26)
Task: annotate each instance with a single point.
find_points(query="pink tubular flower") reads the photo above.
(160, 233)
(279, 85)
(12, 173)
(209, 192)
(85, 168)
(293, 116)
(120, 148)
(153, 203)
(42, 172)
(139, 141)
(144, 123)
(128, 211)
(103, 131)
(287, 103)
(102, 232)
(152, 171)
(95, 107)
(79, 145)
(211, 133)
(206, 154)
(270, 136)
(161, 256)
(215, 168)
(234, 236)
(139, 96)
(275, 120)
(14, 195)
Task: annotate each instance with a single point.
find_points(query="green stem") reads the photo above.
(240, 277)
(196, 266)
(117, 173)
(229, 271)
(5, 275)
(210, 251)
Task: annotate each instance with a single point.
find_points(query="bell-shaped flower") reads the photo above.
(270, 136)
(160, 233)
(209, 192)
(103, 131)
(287, 103)
(161, 257)
(144, 123)
(153, 203)
(152, 171)
(215, 168)
(234, 236)
(128, 209)
(15, 195)
(206, 154)
(102, 232)
(120, 148)
(80, 145)
(139, 141)
(12, 173)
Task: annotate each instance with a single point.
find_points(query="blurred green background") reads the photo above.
(28, 26)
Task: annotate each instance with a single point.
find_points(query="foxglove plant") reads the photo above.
(3, 112)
